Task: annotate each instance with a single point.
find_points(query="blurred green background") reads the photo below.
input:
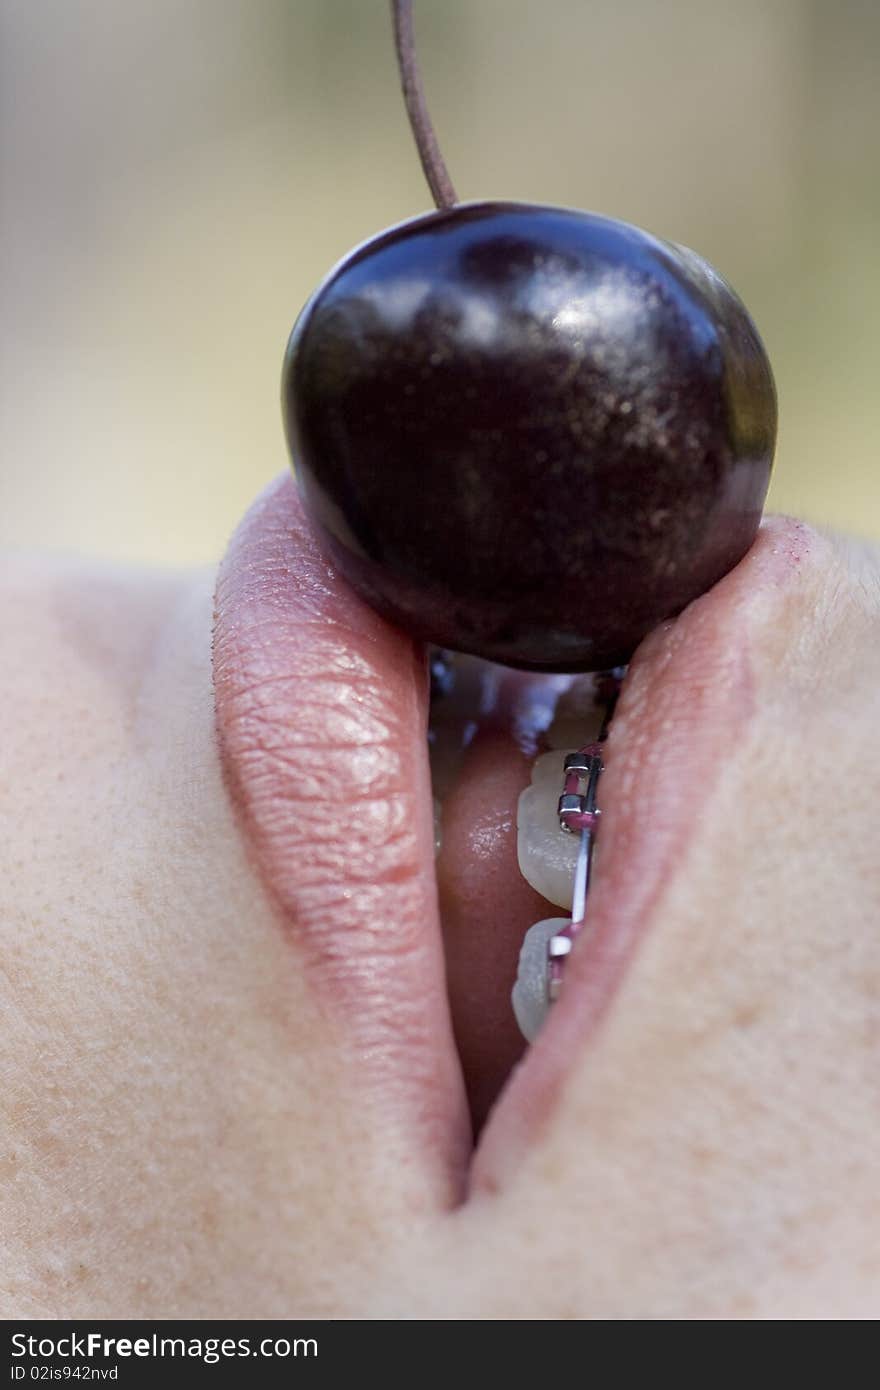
(175, 176)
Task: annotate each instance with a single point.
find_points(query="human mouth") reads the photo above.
(322, 713)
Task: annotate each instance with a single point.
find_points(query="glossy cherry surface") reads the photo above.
(528, 432)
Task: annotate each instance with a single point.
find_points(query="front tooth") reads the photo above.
(529, 996)
(577, 718)
(547, 855)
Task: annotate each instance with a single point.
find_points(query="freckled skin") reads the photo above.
(191, 1125)
(529, 433)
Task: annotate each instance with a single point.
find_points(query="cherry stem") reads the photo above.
(436, 173)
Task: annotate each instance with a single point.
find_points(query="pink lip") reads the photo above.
(321, 711)
(321, 714)
(687, 698)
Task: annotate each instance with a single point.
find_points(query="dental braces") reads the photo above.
(547, 944)
(580, 814)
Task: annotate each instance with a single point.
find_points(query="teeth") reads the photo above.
(529, 996)
(547, 856)
(577, 718)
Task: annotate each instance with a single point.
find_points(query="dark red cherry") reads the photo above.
(527, 432)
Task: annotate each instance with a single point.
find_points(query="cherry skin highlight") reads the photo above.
(527, 432)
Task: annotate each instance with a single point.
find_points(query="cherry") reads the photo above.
(527, 432)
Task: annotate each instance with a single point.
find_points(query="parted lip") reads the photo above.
(321, 716)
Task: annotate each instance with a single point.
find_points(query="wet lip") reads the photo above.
(321, 710)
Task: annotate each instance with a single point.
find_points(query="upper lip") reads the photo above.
(321, 711)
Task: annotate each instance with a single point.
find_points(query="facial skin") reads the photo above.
(193, 1128)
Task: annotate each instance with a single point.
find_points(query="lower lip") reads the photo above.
(321, 711)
